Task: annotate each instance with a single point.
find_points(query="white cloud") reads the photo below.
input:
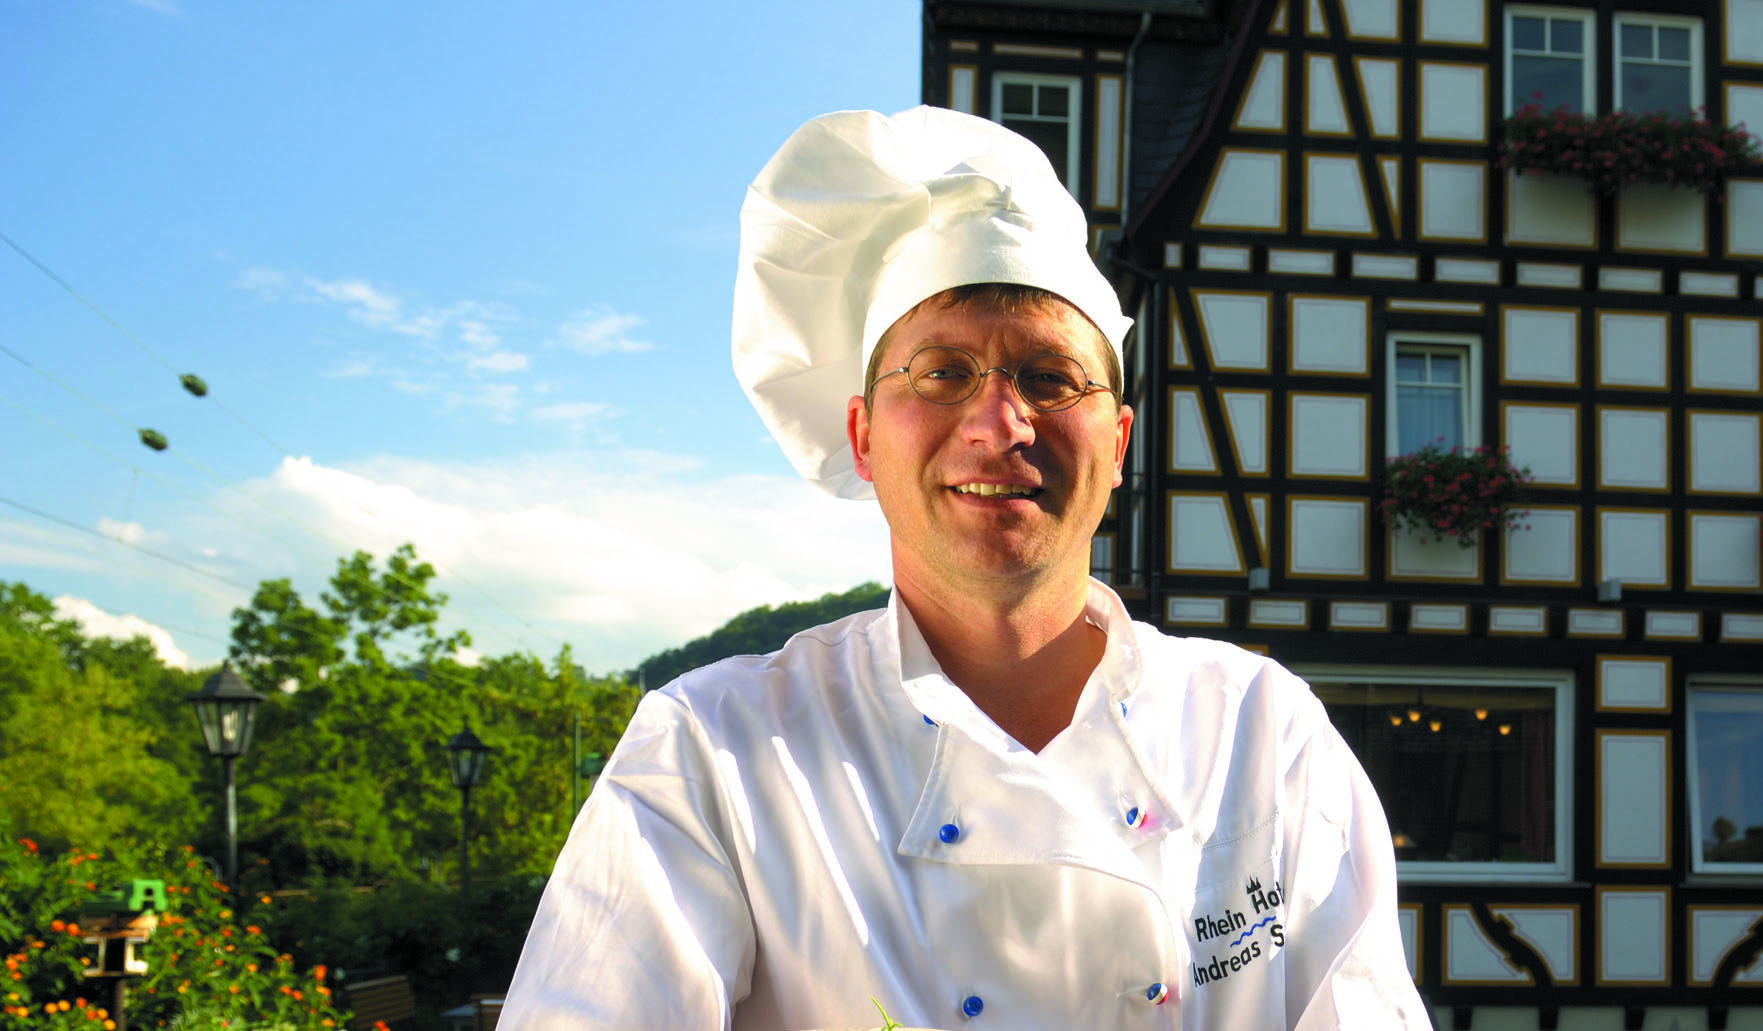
(500, 400)
(99, 623)
(128, 533)
(497, 361)
(600, 330)
(620, 554)
(574, 411)
(350, 368)
(369, 305)
(258, 279)
(478, 334)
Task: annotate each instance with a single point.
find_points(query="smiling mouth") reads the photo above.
(997, 490)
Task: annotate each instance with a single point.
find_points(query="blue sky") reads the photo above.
(468, 266)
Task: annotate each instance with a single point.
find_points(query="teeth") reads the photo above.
(995, 490)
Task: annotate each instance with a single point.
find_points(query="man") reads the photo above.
(998, 802)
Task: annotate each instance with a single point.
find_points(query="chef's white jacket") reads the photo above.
(778, 840)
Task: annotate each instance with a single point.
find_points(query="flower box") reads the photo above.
(1435, 494)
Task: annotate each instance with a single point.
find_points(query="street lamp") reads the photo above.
(226, 710)
(465, 760)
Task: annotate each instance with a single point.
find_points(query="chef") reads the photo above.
(999, 802)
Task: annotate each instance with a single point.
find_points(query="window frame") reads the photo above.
(1471, 345)
(1074, 117)
(1655, 20)
(1559, 870)
(1720, 684)
(1588, 73)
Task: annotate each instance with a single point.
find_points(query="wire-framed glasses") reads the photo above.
(1049, 381)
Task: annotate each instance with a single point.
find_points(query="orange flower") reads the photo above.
(29, 844)
(72, 928)
(56, 925)
(319, 971)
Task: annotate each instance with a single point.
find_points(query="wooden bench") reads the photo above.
(486, 1011)
(384, 998)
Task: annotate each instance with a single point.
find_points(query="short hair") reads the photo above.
(1008, 299)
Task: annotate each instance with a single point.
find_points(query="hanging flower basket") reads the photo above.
(1456, 494)
(1612, 150)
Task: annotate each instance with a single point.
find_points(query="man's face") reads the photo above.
(1046, 475)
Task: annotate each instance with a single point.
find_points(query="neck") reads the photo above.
(1022, 659)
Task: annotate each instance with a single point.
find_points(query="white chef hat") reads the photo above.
(859, 217)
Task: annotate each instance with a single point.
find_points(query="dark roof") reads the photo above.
(1173, 85)
(1177, 103)
(1172, 19)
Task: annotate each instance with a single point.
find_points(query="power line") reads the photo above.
(429, 669)
(120, 328)
(138, 342)
(71, 525)
(224, 481)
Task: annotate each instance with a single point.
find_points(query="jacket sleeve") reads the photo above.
(644, 923)
(1345, 965)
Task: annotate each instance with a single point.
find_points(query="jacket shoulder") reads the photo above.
(817, 649)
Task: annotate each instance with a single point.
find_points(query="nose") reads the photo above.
(996, 414)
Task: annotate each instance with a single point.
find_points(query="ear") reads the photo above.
(1122, 433)
(857, 432)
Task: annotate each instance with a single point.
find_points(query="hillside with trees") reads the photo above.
(757, 631)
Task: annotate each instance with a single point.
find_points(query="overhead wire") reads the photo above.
(138, 342)
(119, 327)
(429, 669)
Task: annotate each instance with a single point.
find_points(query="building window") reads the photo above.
(1472, 766)
(1045, 109)
(1549, 58)
(1657, 57)
(1726, 777)
(1434, 383)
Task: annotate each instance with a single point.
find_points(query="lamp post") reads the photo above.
(465, 760)
(226, 710)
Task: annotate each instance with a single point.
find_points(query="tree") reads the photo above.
(79, 744)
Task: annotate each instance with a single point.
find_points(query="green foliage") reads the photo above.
(349, 824)
(81, 751)
(1620, 147)
(348, 782)
(416, 929)
(205, 968)
(1455, 493)
(757, 631)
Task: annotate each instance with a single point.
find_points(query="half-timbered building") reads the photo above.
(1303, 203)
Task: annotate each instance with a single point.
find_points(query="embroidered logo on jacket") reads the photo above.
(1236, 936)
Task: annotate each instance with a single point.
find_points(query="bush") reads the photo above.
(415, 929)
(206, 968)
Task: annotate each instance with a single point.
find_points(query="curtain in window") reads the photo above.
(1424, 414)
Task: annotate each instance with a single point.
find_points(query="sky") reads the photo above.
(455, 273)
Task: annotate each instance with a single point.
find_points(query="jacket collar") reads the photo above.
(1070, 803)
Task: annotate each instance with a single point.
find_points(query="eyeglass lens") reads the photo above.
(949, 375)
